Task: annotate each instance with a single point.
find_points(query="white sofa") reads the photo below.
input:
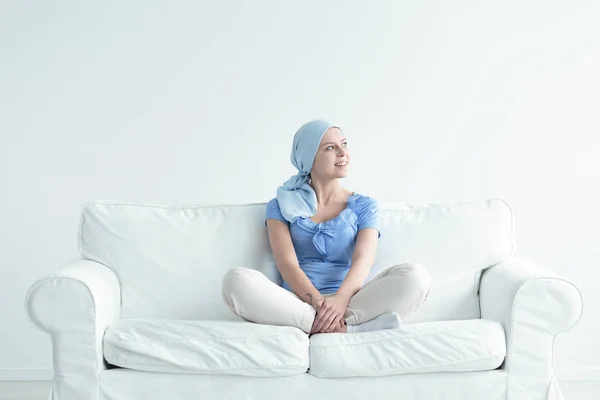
(140, 314)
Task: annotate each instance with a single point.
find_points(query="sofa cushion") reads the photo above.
(170, 260)
(207, 347)
(445, 346)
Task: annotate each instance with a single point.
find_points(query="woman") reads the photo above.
(324, 239)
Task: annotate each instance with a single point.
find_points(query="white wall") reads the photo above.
(178, 103)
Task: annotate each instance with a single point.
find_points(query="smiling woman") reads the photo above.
(324, 239)
(332, 153)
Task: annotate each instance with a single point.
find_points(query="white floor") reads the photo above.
(39, 390)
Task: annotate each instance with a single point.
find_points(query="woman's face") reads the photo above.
(332, 159)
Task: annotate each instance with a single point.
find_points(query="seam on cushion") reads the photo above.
(80, 230)
(387, 339)
(200, 340)
(111, 203)
(444, 365)
(220, 369)
(512, 324)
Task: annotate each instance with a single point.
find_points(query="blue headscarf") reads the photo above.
(295, 197)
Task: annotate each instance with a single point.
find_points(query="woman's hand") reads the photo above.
(330, 314)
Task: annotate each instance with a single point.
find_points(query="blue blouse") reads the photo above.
(324, 249)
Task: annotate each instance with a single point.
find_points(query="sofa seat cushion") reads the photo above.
(207, 347)
(443, 346)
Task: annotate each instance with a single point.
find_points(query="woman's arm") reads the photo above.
(362, 261)
(331, 313)
(287, 263)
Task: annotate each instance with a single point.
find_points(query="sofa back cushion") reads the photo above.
(170, 259)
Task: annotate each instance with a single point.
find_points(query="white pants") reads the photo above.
(251, 295)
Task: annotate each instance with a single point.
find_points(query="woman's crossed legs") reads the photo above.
(251, 295)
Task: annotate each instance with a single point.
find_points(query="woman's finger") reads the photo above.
(334, 324)
(329, 320)
(321, 324)
(318, 319)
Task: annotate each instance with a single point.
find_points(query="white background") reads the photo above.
(186, 103)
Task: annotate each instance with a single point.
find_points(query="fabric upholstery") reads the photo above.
(207, 347)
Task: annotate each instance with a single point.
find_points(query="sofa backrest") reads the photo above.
(170, 260)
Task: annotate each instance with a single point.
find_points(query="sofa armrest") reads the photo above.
(75, 305)
(534, 305)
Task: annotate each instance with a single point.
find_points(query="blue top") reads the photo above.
(324, 249)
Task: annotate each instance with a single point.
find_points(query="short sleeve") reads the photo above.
(368, 215)
(273, 211)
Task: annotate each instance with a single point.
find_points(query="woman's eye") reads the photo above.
(331, 147)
